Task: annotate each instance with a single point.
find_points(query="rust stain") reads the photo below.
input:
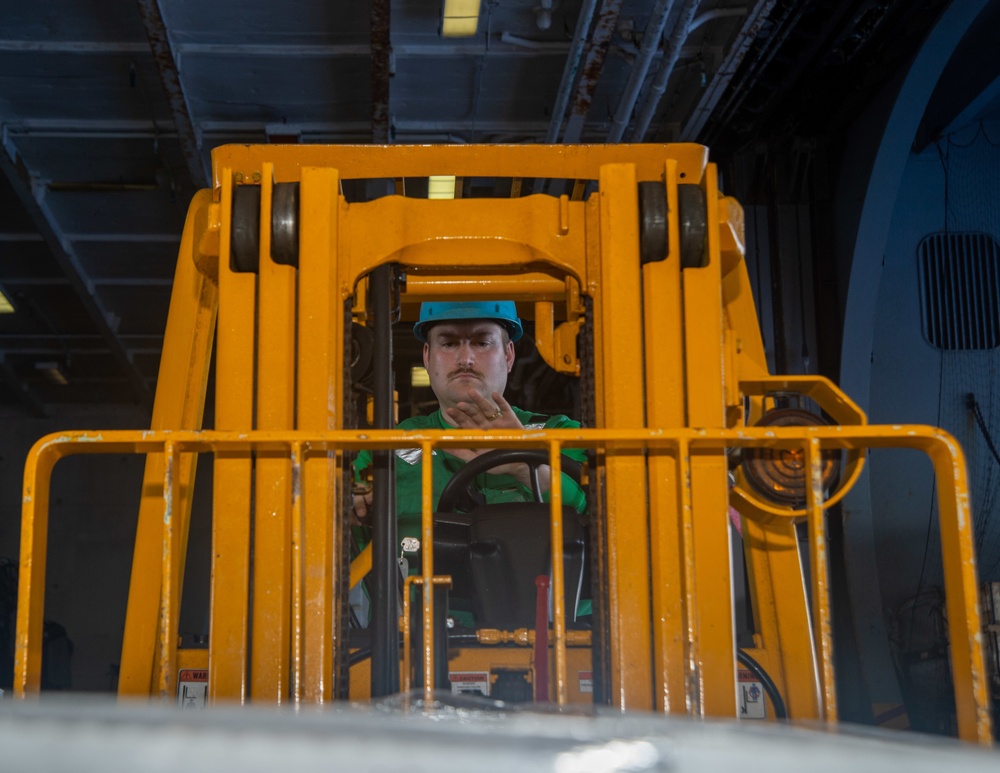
(600, 42)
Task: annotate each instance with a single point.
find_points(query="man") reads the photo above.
(468, 353)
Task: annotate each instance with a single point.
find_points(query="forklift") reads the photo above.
(705, 473)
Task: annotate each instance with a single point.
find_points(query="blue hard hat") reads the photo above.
(503, 312)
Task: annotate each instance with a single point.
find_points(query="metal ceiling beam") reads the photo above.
(102, 128)
(125, 281)
(159, 42)
(144, 238)
(32, 196)
(381, 71)
(505, 43)
(71, 47)
(508, 45)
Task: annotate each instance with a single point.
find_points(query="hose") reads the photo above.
(780, 712)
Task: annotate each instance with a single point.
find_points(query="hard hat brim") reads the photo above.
(465, 312)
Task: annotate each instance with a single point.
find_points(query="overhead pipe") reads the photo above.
(550, 46)
(570, 69)
(650, 44)
(672, 50)
(760, 13)
(600, 41)
(716, 13)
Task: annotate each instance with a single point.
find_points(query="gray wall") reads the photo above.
(913, 381)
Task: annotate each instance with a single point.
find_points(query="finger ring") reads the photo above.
(494, 416)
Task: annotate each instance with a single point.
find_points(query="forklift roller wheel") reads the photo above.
(244, 245)
(285, 224)
(652, 222)
(692, 212)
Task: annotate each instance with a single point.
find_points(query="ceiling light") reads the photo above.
(419, 377)
(53, 372)
(441, 186)
(6, 307)
(461, 18)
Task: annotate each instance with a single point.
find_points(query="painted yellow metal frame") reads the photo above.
(944, 452)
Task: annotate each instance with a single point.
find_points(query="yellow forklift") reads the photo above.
(637, 286)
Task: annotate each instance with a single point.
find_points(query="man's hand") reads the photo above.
(362, 504)
(483, 413)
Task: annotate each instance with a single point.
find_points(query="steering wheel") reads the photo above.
(464, 478)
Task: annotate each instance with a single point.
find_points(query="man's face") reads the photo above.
(465, 355)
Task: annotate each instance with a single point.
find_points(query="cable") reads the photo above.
(973, 405)
(780, 712)
(987, 510)
(359, 655)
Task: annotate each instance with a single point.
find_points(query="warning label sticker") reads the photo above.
(750, 695)
(586, 679)
(192, 688)
(470, 682)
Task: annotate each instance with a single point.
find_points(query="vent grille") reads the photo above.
(960, 290)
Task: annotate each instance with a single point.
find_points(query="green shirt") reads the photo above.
(496, 488)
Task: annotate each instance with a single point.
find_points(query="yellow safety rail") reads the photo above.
(680, 446)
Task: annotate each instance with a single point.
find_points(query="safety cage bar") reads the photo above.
(944, 452)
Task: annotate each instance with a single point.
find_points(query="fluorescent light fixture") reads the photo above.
(441, 186)
(419, 376)
(53, 372)
(6, 307)
(461, 18)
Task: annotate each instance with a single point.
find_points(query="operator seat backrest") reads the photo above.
(508, 549)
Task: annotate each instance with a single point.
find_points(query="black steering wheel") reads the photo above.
(534, 458)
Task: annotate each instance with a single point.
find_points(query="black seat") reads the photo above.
(495, 552)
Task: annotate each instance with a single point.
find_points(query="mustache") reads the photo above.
(465, 372)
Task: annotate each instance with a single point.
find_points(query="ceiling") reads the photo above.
(110, 109)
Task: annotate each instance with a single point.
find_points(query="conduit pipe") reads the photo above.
(671, 53)
(650, 43)
(595, 60)
(758, 15)
(593, 65)
(550, 46)
(570, 69)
